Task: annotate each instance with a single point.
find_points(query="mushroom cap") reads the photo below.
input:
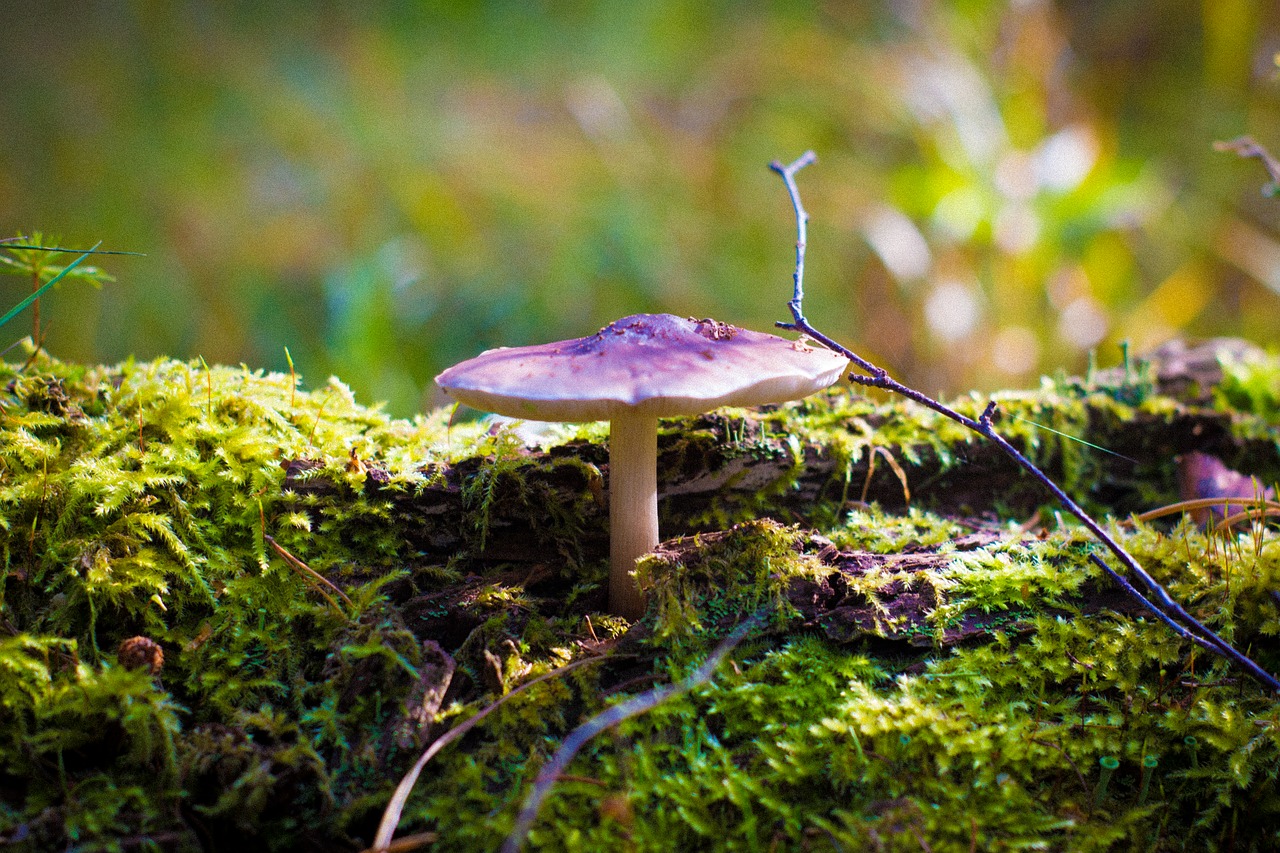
(652, 364)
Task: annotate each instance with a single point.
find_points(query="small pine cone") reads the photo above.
(139, 652)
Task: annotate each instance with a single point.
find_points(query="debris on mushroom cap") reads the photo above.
(654, 364)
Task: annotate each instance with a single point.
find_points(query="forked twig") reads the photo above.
(1160, 603)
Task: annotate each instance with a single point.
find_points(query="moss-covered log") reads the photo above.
(322, 590)
(803, 463)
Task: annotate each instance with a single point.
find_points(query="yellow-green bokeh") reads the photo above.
(386, 188)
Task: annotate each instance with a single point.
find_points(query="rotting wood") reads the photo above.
(702, 466)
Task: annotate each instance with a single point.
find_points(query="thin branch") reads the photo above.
(382, 841)
(802, 219)
(1160, 614)
(1245, 146)
(636, 705)
(1153, 586)
(1164, 607)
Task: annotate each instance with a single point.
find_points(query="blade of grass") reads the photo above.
(9, 244)
(24, 304)
(1201, 503)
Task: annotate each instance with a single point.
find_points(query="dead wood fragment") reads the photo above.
(695, 473)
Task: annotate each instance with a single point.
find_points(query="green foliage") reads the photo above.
(880, 532)
(1004, 576)
(395, 187)
(136, 500)
(1251, 385)
(747, 572)
(94, 742)
(25, 255)
(993, 746)
(35, 261)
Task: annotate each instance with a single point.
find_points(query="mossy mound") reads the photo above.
(331, 589)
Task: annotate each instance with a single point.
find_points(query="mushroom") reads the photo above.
(630, 373)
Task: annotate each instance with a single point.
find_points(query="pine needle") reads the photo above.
(1075, 438)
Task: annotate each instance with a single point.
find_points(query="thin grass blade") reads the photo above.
(9, 244)
(24, 304)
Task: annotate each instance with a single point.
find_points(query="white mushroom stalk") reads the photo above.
(633, 506)
(632, 372)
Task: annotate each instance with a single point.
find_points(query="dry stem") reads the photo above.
(1163, 607)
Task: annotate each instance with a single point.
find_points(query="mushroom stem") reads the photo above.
(633, 507)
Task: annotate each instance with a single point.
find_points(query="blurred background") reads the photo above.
(386, 188)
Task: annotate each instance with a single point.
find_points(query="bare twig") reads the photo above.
(382, 842)
(1160, 614)
(636, 705)
(802, 221)
(1245, 146)
(1164, 607)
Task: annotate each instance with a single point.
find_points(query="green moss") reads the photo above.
(747, 571)
(144, 500)
(1251, 385)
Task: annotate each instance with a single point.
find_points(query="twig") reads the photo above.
(382, 842)
(877, 377)
(1245, 146)
(1160, 614)
(636, 705)
(802, 221)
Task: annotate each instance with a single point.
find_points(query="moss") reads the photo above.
(747, 571)
(929, 672)
(1250, 383)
